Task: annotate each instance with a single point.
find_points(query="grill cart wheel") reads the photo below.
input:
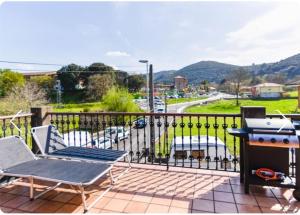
(296, 194)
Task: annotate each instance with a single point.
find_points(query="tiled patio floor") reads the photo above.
(152, 189)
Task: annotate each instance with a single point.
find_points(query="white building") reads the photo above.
(267, 90)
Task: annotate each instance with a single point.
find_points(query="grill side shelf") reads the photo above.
(238, 132)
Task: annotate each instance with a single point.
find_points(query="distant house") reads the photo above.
(267, 90)
(29, 75)
(246, 91)
(180, 82)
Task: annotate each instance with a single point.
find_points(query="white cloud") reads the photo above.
(117, 54)
(267, 38)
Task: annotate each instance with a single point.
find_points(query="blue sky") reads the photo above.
(170, 35)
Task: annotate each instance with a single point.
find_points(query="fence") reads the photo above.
(23, 122)
(170, 139)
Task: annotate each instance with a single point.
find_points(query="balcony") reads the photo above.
(174, 171)
(152, 189)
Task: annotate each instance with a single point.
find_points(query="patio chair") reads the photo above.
(51, 144)
(17, 160)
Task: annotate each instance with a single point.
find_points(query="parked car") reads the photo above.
(140, 123)
(160, 109)
(102, 143)
(118, 133)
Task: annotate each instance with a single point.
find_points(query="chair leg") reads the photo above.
(112, 180)
(85, 206)
(83, 198)
(47, 190)
(31, 191)
(128, 160)
(125, 171)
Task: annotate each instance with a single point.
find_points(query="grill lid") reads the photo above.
(279, 126)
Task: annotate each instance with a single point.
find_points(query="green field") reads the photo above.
(293, 93)
(181, 100)
(221, 107)
(229, 106)
(80, 107)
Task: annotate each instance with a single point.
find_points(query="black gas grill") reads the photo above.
(267, 144)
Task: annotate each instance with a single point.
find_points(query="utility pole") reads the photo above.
(152, 123)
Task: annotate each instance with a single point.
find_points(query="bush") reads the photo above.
(119, 100)
(9, 80)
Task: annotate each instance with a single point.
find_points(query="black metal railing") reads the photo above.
(21, 128)
(171, 139)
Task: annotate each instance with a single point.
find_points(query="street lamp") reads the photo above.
(147, 81)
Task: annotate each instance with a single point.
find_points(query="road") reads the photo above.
(140, 137)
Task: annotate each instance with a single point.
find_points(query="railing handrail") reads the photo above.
(19, 116)
(144, 114)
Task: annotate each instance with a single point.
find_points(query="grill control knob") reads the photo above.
(285, 141)
(261, 140)
(273, 140)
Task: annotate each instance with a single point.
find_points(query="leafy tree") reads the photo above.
(119, 100)
(69, 76)
(8, 80)
(135, 82)
(98, 85)
(205, 83)
(100, 67)
(237, 77)
(45, 82)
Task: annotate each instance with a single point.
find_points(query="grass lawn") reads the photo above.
(293, 93)
(80, 107)
(221, 107)
(181, 100)
(228, 106)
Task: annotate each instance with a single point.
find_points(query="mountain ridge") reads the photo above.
(214, 71)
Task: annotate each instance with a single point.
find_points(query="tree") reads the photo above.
(278, 78)
(237, 77)
(69, 76)
(135, 82)
(100, 67)
(8, 80)
(119, 100)
(98, 85)
(45, 82)
(23, 98)
(204, 83)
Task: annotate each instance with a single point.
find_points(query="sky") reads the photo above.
(170, 35)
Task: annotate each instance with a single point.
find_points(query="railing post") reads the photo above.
(152, 121)
(248, 112)
(39, 118)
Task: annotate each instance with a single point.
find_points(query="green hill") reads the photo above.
(214, 71)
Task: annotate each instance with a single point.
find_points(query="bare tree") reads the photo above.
(237, 77)
(23, 98)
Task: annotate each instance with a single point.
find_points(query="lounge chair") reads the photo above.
(51, 144)
(17, 160)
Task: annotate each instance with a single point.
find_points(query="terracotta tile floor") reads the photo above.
(152, 189)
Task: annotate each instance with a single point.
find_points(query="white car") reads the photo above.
(117, 133)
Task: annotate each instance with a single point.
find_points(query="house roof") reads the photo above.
(28, 74)
(178, 76)
(268, 85)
